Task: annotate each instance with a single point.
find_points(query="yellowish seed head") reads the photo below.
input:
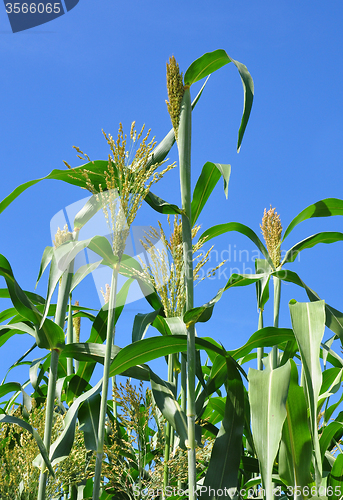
(62, 236)
(271, 229)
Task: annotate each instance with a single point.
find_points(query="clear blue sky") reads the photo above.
(104, 62)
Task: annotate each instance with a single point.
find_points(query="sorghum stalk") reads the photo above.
(168, 429)
(184, 146)
(70, 339)
(181, 117)
(50, 401)
(76, 332)
(260, 350)
(105, 382)
(277, 296)
(61, 309)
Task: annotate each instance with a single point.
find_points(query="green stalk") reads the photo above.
(184, 146)
(114, 384)
(260, 350)
(70, 366)
(183, 383)
(277, 296)
(168, 429)
(49, 413)
(61, 309)
(105, 382)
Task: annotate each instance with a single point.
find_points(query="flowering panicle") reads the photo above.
(271, 229)
(106, 294)
(175, 93)
(62, 236)
(126, 182)
(166, 268)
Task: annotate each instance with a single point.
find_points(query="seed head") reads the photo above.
(62, 236)
(126, 182)
(271, 229)
(175, 93)
(106, 294)
(166, 267)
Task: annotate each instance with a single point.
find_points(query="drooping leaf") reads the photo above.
(265, 337)
(311, 241)
(35, 299)
(240, 228)
(74, 176)
(212, 61)
(141, 324)
(161, 206)
(333, 317)
(323, 208)
(204, 312)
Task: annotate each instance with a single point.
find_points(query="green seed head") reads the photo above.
(175, 93)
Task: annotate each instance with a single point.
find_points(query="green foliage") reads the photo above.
(209, 426)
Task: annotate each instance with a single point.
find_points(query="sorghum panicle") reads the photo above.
(271, 229)
(175, 93)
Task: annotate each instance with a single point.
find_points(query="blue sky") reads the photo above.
(104, 63)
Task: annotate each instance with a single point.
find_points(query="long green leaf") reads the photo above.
(204, 312)
(333, 317)
(265, 337)
(212, 61)
(336, 478)
(296, 446)
(96, 174)
(161, 206)
(95, 169)
(226, 453)
(311, 241)
(308, 321)
(268, 391)
(60, 449)
(46, 259)
(48, 335)
(210, 175)
(332, 431)
(88, 416)
(141, 324)
(169, 407)
(323, 208)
